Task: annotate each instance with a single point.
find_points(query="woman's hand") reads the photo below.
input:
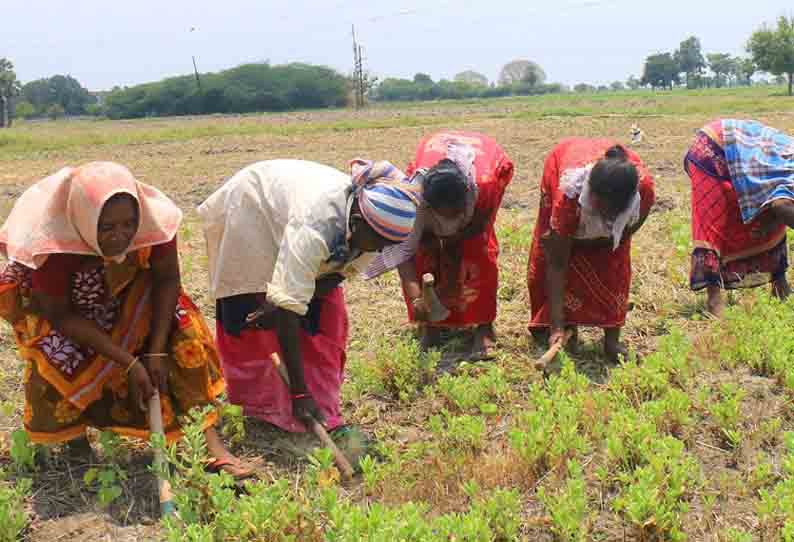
(143, 384)
(421, 310)
(305, 409)
(157, 369)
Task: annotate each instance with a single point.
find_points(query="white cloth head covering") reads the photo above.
(60, 214)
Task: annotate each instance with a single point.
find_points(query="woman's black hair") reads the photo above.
(614, 179)
(444, 185)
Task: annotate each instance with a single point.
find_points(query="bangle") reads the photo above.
(303, 395)
(133, 362)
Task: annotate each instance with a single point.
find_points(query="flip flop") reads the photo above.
(216, 466)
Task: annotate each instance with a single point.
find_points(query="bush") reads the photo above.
(243, 89)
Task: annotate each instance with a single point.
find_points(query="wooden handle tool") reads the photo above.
(317, 428)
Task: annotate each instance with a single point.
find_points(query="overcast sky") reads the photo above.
(104, 43)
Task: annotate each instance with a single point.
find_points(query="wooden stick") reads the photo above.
(163, 487)
(546, 358)
(317, 428)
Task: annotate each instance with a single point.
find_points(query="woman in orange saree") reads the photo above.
(93, 294)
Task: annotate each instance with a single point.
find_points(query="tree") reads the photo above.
(689, 58)
(63, 90)
(722, 64)
(617, 86)
(773, 49)
(521, 71)
(55, 111)
(471, 77)
(746, 70)
(9, 87)
(633, 83)
(24, 109)
(661, 71)
(423, 79)
(584, 87)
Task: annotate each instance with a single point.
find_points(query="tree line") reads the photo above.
(517, 78)
(770, 49)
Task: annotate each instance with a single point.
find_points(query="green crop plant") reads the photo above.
(233, 423)
(763, 472)
(774, 507)
(14, 518)
(727, 413)
(654, 498)
(732, 534)
(464, 432)
(629, 434)
(399, 369)
(568, 508)
(555, 426)
(671, 413)
(473, 393)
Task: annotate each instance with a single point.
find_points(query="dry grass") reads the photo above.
(189, 170)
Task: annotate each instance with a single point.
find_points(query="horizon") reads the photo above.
(433, 38)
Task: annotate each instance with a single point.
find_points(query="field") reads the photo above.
(688, 440)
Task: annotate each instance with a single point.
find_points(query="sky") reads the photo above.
(104, 43)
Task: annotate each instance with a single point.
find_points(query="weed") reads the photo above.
(107, 480)
(107, 483)
(23, 452)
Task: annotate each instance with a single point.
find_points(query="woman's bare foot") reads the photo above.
(781, 288)
(431, 338)
(224, 459)
(715, 302)
(79, 449)
(615, 350)
(541, 337)
(484, 339)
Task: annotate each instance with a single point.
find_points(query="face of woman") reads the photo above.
(450, 213)
(118, 224)
(367, 239)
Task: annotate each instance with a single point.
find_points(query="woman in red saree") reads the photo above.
(463, 176)
(730, 252)
(93, 294)
(594, 196)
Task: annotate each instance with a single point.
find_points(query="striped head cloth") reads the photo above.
(386, 201)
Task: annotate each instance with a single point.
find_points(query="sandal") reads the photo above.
(243, 472)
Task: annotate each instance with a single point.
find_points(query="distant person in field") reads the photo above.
(282, 235)
(463, 177)
(594, 196)
(94, 296)
(742, 176)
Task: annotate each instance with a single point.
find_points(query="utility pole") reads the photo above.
(358, 73)
(195, 70)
